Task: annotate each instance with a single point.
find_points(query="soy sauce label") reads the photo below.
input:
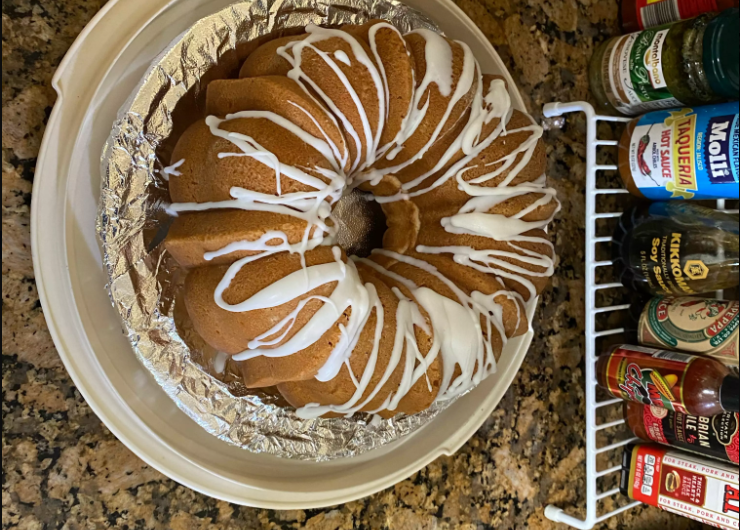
(697, 325)
(716, 437)
(666, 267)
(661, 385)
(687, 153)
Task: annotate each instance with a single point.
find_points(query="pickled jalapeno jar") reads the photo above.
(693, 62)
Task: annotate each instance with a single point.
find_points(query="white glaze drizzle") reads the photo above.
(455, 325)
(474, 217)
(219, 362)
(372, 37)
(458, 334)
(173, 170)
(439, 73)
(293, 53)
(341, 156)
(342, 57)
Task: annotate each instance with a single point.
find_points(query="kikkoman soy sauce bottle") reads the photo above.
(677, 248)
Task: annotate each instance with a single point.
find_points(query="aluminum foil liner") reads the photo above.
(145, 281)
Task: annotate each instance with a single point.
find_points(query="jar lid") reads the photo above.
(721, 56)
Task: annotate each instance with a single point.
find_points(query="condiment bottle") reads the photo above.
(703, 326)
(643, 14)
(677, 247)
(682, 483)
(674, 381)
(694, 62)
(686, 153)
(715, 437)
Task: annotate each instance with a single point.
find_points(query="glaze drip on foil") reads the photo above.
(463, 329)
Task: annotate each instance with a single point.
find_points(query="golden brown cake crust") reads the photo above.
(399, 67)
(217, 325)
(266, 61)
(208, 175)
(193, 235)
(341, 390)
(277, 94)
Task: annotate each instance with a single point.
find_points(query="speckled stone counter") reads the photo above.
(63, 469)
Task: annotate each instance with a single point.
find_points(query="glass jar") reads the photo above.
(693, 62)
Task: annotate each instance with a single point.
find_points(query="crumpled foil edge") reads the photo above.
(131, 226)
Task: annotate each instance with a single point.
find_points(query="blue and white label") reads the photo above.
(721, 149)
(687, 153)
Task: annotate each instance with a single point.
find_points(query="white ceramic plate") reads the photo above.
(99, 72)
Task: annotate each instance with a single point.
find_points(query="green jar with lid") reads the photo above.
(689, 63)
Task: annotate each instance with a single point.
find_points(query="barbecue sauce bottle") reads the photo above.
(715, 437)
(677, 248)
(678, 382)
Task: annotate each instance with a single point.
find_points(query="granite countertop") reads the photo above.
(63, 469)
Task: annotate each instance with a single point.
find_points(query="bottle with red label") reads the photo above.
(682, 483)
(715, 437)
(702, 326)
(673, 381)
(643, 14)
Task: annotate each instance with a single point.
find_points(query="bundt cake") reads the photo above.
(459, 173)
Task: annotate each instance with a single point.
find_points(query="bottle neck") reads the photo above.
(693, 59)
(729, 394)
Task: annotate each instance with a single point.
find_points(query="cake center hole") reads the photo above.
(362, 224)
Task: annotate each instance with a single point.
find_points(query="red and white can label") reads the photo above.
(686, 485)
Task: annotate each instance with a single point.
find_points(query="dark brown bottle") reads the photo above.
(716, 436)
(677, 248)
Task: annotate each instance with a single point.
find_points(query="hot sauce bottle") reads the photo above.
(677, 382)
(715, 437)
(682, 483)
(684, 153)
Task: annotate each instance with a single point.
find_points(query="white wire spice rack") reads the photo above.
(593, 494)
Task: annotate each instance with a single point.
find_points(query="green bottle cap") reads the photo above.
(721, 55)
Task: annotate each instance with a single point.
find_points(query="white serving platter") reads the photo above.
(99, 72)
